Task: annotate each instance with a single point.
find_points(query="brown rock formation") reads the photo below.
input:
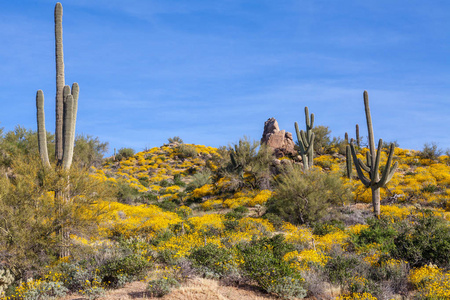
(280, 140)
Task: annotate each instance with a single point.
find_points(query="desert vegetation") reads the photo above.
(311, 225)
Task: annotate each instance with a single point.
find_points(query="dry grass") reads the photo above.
(195, 289)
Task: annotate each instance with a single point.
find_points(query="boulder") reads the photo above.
(280, 141)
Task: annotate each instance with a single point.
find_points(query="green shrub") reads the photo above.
(125, 193)
(321, 138)
(177, 180)
(175, 139)
(199, 179)
(88, 151)
(274, 219)
(162, 286)
(430, 151)
(46, 291)
(263, 263)
(75, 275)
(167, 205)
(117, 270)
(186, 151)
(425, 241)
(328, 227)
(288, 288)
(380, 231)
(124, 153)
(237, 213)
(305, 197)
(212, 257)
(342, 267)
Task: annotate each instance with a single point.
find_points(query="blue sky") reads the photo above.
(214, 71)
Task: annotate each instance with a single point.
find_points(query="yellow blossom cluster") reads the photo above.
(357, 296)
(306, 259)
(128, 220)
(431, 282)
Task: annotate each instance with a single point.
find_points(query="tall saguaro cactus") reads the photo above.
(306, 140)
(59, 57)
(372, 163)
(66, 107)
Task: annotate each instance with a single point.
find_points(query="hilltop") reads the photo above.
(170, 214)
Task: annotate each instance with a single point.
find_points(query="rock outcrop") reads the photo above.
(280, 140)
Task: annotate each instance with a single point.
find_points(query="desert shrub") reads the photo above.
(184, 211)
(6, 279)
(27, 205)
(391, 276)
(167, 205)
(321, 139)
(237, 213)
(41, 290)
(254, 161)
(199, 179)
(274, 219)
(263, 263)
(177, 180)
(125, 193)
(348, 270)
(305, 197)
(186, 151)
(124, 153)
(387, 144)
(75, 275)
(88, 151)
(425, 241)
(21, 142)
(288, 288)
(118, 270)
(328, 227)
(162, 286)
(175, 139)
(338, 145)
(430, 151)
(93, 292)
(215, 259)
(380, 231)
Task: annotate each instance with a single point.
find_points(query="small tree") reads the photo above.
(303, 197)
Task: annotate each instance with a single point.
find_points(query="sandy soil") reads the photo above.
(195, 289)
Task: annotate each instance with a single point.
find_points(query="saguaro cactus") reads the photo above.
(358, 138)
(348, 161)
(306, 140)
(372, 163)
(66, 107)
(59, 57)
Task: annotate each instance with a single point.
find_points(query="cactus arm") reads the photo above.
(311, 149)
(348, 160)
(305, 140)
(363, 166)
(374, 169)
(388, 172)
(361, 176)
(358, 139)
(42, 133)
(68, 120)
(392, 172)
(297, 131)
(75, 93)
(369, 128)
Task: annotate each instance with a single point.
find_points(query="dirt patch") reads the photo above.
(195, 289)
